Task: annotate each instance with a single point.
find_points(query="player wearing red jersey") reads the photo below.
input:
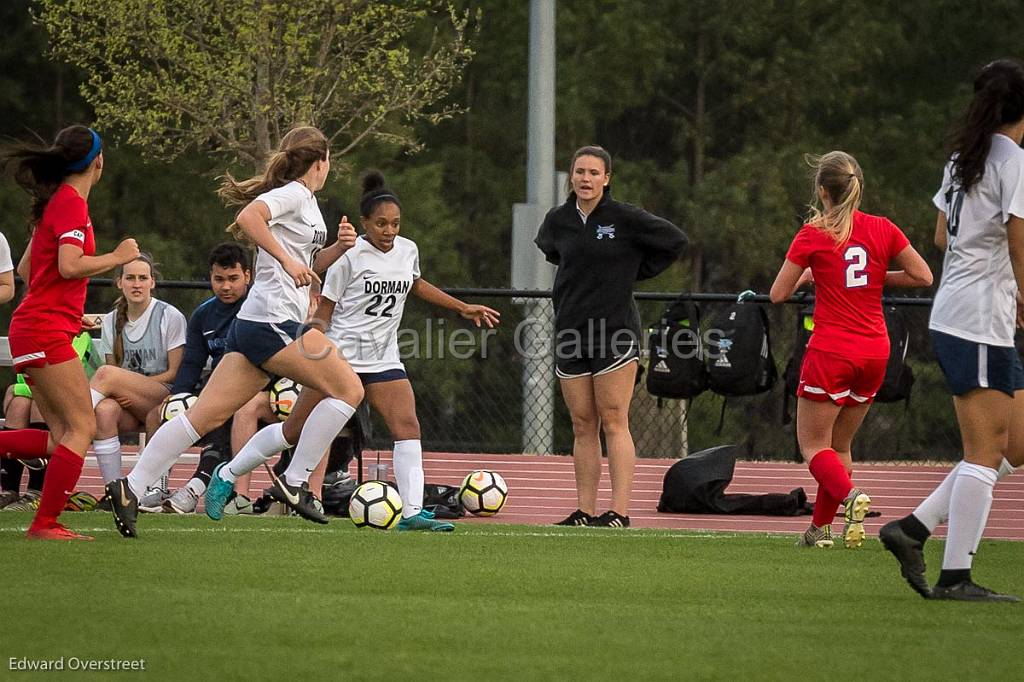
(57, 264)
(846, 253)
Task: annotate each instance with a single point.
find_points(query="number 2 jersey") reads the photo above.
(976, 297)
(848, 282)
(369, 288)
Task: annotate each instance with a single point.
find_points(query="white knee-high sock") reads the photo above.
(968, 512)
(408, 460)
(162, 450)
(324, 423)
(934, 509)
(263, 445)
(108, 456)
(97, 397)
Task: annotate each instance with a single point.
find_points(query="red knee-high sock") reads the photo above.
(829, 472)
(24, 443)
(825, 507)
(61, 478)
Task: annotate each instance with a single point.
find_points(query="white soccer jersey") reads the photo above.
(6, 264)
(370, 287)
(298, 226)
(976, 297)
(172, 327)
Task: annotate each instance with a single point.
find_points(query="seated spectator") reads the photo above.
(143, 340)
(204, 347)
(20, 412)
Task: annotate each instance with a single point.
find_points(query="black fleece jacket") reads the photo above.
(600, 260)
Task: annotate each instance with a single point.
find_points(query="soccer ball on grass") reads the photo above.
(483, 493)
(375, 504)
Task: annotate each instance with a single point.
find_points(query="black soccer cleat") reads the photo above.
(297, 498)
(577, 518)
(125, 506)
(910, 553)
(969, 591)
(610, 519)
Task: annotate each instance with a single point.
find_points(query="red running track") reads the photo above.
(542, 490)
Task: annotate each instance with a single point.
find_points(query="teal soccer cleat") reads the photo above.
(217, 494)
(425, 521)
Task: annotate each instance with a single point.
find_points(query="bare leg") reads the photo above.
(61, 392)
(814, 425)
(844, 429)
(139, 392)
(613, 393)
(586, 447)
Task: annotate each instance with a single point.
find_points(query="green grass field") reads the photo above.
(258, 598)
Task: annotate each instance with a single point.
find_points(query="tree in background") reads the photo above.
(233, 77)
(706, 105)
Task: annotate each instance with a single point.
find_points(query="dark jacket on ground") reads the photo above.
(600, 260)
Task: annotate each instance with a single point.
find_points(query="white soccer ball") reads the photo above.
(283, 395)
(375, 504)
(483, 493)
(176, 404)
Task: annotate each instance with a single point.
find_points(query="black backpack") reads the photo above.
(791, 375)
(676, 369)
(337, 492)
(740, 358)
(899, 377)
(443, 500)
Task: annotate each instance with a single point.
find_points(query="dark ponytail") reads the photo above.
(998, 100)
(40, 170)
(375, 193)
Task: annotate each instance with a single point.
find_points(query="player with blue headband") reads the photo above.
(57, 265)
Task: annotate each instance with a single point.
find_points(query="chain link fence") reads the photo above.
(494, 391)
(499, 400)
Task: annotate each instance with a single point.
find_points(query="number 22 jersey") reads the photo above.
(848, 283)
(369, 288)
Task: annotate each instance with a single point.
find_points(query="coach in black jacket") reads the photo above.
(601, 247)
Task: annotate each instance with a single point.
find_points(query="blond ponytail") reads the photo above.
(840, 176)
(300, 148)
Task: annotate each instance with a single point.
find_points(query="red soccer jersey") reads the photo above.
(55, 304)
(848, 282)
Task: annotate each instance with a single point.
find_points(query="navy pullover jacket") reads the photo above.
(600, 260)
(204, 340)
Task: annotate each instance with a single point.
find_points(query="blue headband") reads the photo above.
(83, 163)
